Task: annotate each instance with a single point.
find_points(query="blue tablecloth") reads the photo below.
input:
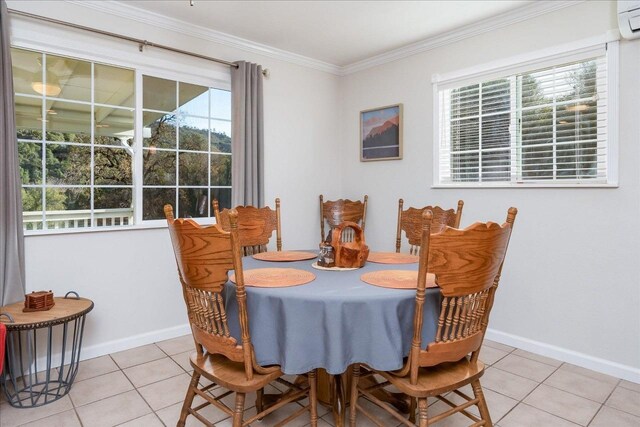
(332, 322)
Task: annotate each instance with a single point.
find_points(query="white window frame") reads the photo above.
(546, 57)
(56, 40)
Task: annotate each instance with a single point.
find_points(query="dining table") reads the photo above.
(332, 322)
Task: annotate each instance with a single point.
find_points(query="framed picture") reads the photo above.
(381, 133)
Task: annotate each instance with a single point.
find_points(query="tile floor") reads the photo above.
(145, 387)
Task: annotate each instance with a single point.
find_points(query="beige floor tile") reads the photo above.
(63, 419)
(525, 367)
(151, 372)
(537, 357)
(589, 373)
(138, 355)
(498, 345)
(177, 345)
(248, 413)
(182, 359)
(95, 367)
(455, 420)
(508, 384)
(113, 410)
(282, 413)
(625, 400)
(609, 417)
(527, 416)
(13, 416)
(149, 420)
(580, 385)
(171, 414)
(490, 355)
(93, 389)
(629, 385)
(563, 404)
(498, 404)
(166, 392)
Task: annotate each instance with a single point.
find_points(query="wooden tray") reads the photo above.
(392, 258)
(319, 267)
(285, 256)
(275, 277)
(396, 279)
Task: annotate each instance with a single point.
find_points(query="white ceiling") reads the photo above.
(336, 32)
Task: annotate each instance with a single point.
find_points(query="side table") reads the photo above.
(43, 350)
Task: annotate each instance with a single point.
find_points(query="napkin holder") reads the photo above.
(349, 254)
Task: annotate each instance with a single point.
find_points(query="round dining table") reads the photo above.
(332, 322)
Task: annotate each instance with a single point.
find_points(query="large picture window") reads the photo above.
(544, 126)
(86, 160)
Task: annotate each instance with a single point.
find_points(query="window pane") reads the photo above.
(194, 100)
(30, 159)
(496, 96)
(68, 164)
(465, 101)
(537, 126)
(194, 134)
(158, 94)
(113, 166)
(465, 167)
(28, 117)
(536, 89)
(68, 122)
(68, 78)
(537, 162)
(75, 204)
(193, 169)
(153, 201)
(32, 208)
(114, 126)
(27, 67)
(496, 165)
(113, 206)
(220, 170)
(158, 167)
(159, 130)
(220, 136)
(223, 196)
(193, 202)
(220, 104)
(495, 131)
(577, 121)
(464, 135)
(114, 86)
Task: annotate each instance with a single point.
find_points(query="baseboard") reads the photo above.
(576, 358)
(127, 343)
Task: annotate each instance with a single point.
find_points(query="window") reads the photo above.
(542, 125)
(86, 160)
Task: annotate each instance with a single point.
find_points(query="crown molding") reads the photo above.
(121, 9)
(498, 21)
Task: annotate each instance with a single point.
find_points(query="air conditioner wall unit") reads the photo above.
(629, 18)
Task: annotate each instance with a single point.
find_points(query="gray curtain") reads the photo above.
(12, 282)
(247, 161)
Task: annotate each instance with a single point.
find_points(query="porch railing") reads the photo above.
(78, 219)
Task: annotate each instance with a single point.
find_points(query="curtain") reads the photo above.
(12, 283)
(247, 147)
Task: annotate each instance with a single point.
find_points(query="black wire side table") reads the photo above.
(43, 350)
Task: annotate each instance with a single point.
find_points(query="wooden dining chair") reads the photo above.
(337, 211)
(205, 255)
(467, 265)
(410, 221)
(255, 226)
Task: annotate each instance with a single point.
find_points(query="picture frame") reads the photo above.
(381, 133)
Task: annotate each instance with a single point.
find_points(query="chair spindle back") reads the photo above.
(335, 212)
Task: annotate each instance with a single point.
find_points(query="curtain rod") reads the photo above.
(141, 43)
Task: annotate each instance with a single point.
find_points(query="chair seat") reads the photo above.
(230, 374)
(439, 379)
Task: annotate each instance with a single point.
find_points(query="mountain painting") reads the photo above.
(381, 133)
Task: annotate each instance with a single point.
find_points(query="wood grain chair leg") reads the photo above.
(482, 403)
(238, 410)
(313, 398)
(260, 401)
(422, 412)
(354, 395)
(412, 410)
(188, 400)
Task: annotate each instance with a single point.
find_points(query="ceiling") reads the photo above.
(337, 32)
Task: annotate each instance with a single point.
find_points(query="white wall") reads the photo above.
(572, 276)
(131, 275)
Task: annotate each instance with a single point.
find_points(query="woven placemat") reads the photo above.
(396, 279)
(284, 256)
(392, 258)
(319, 267)
(275, 277)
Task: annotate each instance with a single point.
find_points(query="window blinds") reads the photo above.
(544, 125)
